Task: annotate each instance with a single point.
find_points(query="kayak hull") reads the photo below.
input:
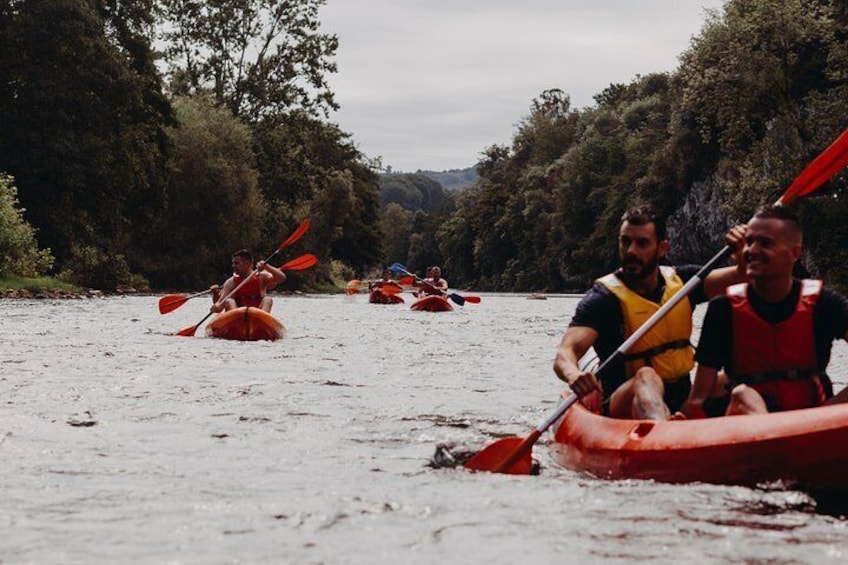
(378, 297)
(431, 303)
(807, 449)
(246, 324)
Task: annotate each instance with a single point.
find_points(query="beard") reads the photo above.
(633, 270)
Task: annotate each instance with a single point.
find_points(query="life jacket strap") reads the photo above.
(654, 351)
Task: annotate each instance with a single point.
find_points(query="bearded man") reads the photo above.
(653, 380)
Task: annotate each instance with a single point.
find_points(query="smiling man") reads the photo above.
(653, 380)
(773, 335)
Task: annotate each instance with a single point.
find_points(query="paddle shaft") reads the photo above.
(173, 301)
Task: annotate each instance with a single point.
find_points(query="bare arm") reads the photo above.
(576, 341)
(274, 275)
(225, 290)
(702, 389)
(719, 279)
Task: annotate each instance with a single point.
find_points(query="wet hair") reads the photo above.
(645, 214)
(244, 254)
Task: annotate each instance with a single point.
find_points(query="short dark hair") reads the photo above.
(244, 254)
(645, 214)
(778, 212)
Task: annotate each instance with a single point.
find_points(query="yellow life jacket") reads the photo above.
(666, 347)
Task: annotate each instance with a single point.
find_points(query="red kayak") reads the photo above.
(379, 297)
(245, 324)
(432, 303)
(805, 448)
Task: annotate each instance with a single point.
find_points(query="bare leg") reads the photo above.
(267, 303)
(745, 400)
(230, 304)
(641, 397)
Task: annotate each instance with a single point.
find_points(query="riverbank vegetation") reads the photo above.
(135, 167)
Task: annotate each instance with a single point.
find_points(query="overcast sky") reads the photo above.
(429, 84)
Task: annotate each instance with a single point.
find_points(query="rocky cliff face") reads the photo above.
(696, 230)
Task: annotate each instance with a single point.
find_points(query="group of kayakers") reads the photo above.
(764, 346)
(766, 337)
(432, 283)
(254, 292)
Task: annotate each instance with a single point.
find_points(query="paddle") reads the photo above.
(389, 287)
(513, 455)
(297, 234)
(171, 302)
(458, 298)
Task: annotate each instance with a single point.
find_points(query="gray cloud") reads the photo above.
(428, 84)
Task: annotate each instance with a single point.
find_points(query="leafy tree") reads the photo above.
(412, 192)
(214, 203)
(258, 57)
(83, 122)
(396, 225)
(19, 253)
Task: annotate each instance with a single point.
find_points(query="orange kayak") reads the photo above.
(379, 297)
(245, 324)
(432, 303)
(804, 448)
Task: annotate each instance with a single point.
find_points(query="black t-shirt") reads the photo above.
(830, 322)
(601, 310)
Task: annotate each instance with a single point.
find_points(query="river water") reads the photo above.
(121, 442)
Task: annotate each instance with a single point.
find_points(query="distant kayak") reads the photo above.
(805, 448)
(379, 297)
(432, 303)
(246, 324)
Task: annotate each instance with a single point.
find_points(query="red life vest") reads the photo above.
(250, 293)
(778, 360)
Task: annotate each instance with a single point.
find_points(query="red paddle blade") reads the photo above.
(391, 288)
(472, 299)
(820, 170)
(300, 263)
(171, 302)
(352, 287)
(189, 331)
(297, 234)
(490, 458)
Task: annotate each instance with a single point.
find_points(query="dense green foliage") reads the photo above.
(124, 179)
(760, 92)
(83, 124)
(19, 253)
(214, 204)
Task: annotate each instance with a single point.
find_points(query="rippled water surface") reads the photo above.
(122, 443)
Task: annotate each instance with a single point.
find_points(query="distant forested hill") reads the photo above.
(454, 179)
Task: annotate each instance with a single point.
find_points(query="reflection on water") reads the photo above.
(121, 442)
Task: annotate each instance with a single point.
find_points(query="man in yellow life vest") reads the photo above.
(653, 380)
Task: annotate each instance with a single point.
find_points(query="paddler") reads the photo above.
(375, 287)
(434, 283)
(772, 334)
(255, 292)
(654, 379)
